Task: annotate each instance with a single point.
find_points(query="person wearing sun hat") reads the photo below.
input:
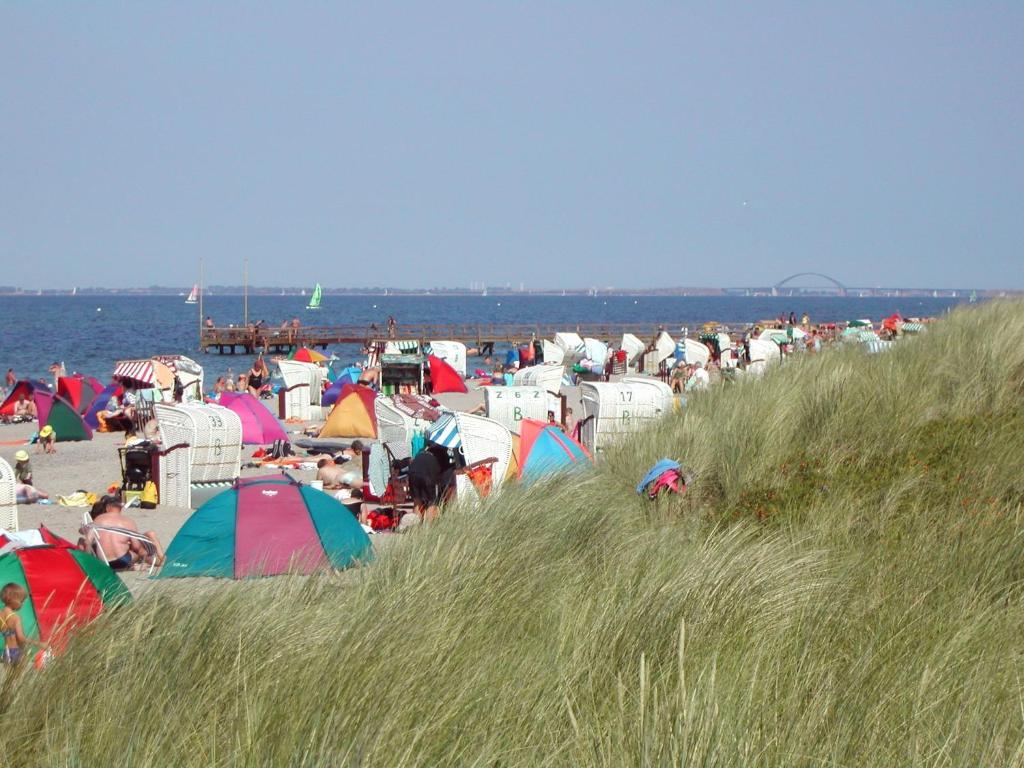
(22, 468)
(48, 439)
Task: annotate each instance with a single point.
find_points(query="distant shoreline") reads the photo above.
(238, 291)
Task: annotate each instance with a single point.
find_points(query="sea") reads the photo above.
(89, 334)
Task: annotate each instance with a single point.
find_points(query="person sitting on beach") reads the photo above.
(242, 385)
(257, 374)
(229, 384)
(22, 468)
(13, 597)
(122, 552)
(24, 409)
(47, 440)
(219, 386)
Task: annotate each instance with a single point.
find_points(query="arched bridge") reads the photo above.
(782, 283)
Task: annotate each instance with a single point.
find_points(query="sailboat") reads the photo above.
(193, 297)
(314, 300)
(74, 291)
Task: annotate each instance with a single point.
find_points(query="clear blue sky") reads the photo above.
(557, 144)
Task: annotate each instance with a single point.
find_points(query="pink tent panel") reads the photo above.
(259, 425)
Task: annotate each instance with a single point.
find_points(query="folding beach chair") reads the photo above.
(90, 533)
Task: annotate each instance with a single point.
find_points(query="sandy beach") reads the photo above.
(93, 466)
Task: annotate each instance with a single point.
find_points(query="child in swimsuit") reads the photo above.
(13, 597)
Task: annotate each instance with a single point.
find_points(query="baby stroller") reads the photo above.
(137, 466)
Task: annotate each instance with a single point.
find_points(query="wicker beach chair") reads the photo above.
(202, 452)
(484, 441)
(8, 499)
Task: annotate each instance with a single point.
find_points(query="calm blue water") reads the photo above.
(40, 330)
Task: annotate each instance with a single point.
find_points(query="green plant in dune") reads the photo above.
(840, 586)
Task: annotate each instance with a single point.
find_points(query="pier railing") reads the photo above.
(235, 338)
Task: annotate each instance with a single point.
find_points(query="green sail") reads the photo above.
(314, 300)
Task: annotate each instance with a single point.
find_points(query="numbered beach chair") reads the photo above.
(202, 452)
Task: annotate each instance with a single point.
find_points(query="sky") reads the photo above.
(554, 144)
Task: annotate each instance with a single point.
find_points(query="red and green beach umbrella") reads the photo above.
(66, 587)
(266, 526)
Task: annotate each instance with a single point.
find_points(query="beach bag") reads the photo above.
(149, 497)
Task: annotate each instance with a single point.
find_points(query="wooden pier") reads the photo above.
(234, 339)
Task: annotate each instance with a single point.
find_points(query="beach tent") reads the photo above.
(66, 587)
(353, 415)
(56, 412)
(259, 426)
(452, 352)
(347, 375)
(99, 403)
(307, 355)
(264, 526)
(545, 449)
(444, 378)
(23, 387)
(633, 346)
(863, 323)
(78, 391)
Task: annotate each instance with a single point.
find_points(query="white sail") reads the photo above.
(193, 296)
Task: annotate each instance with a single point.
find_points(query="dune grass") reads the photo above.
(841, 586)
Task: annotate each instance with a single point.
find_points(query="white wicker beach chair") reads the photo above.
(303, 384)
(611, 410)
(202, 452)
(394, 428)
(484, 438)
(510, 405)
(8, 499)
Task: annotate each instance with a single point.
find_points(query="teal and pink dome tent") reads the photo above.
(265, 526)
(545, 449)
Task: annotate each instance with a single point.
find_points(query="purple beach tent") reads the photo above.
(259, 425)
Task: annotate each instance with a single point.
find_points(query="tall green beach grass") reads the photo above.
(841, 586)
